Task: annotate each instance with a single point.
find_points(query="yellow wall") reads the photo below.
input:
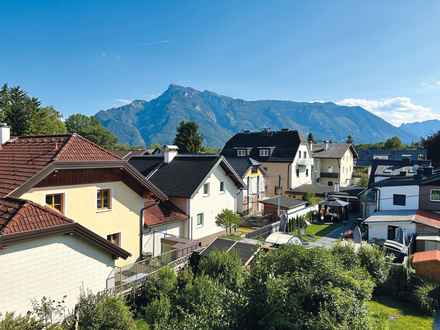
(344, 167)
(249, 173)
(80, 206)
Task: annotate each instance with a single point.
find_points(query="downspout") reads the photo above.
(339, 173)
(289, 184)
(141, 225)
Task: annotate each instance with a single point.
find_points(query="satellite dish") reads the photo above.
(415, 167)
(318, 180)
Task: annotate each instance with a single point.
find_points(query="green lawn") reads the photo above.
(388, 314)
(318, 230)
(244, 230)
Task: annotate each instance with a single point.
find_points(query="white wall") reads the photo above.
(51, 267)
(151, 240)
(386, 197)
(380, 230)
(213, 204)
(300, 211)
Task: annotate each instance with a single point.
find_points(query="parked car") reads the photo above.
(279, 238)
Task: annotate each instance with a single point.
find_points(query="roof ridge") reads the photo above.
(77, 136)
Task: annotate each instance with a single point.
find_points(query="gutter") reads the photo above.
(141, 225)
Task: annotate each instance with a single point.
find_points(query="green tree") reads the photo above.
(310, 198)
(432, 143)
(349, 139)
(188, 139)
(363, 181)
(92, 129)
(311, 138)
(393, 143)
(45, 120)
(227, 219)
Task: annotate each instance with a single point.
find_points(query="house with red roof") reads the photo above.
(44, 253)
(81, 181)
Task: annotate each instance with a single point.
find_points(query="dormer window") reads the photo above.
(264, 152)
(241, 152)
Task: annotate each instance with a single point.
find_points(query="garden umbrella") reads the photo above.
(283, 222)
(333, 202)
(304, 222)
(401, 236)
(357, 235)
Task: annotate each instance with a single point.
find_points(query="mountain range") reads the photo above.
(220, 117)
(422, 129)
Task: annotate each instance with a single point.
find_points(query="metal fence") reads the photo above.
(264, 231)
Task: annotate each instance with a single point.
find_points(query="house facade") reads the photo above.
(201, 186)
(333, 163)
(82, 181)
(43, 253)
(284, 154)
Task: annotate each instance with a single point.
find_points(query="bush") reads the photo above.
(11, 322)
(234, 237)
(421, 299)
(375, 262)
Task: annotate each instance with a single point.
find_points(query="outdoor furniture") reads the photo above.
(301, 232)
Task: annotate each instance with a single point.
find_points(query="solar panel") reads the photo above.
(220, 243)
(245, 250)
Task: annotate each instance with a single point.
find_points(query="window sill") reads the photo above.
(199, 226)
(222, 192)
(206, 195)
(103, 211)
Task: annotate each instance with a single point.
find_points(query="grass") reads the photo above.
(388, 314)
(244, 230)
(319, 230)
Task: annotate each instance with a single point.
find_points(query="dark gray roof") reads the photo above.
(387, 170)
(366, 157)
(285, 202)
(126, 154)
(241, 165)
(282, 145)
(336, 150)
(183, 175)
(322, 191)
(245, 250)
(418, 179)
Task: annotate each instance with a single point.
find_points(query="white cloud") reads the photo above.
(438, 82)
(123, 101)
(424, 84)
(395, 111)
(103, 54)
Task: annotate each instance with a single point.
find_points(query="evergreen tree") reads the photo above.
(311, 138)
(349, 139)
(188, 139)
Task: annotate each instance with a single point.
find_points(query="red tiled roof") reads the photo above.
(23, 157)
(426, 256)
(19, 215)
(162, 213)
(427, 218)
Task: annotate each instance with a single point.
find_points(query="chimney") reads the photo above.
(325, 145)
(247, 132)
(311, 147)
(169, 152)
(285, 130)
(428, 170)
(5, 133)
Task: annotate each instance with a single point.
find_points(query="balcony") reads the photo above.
(328, 175)
(305, 161)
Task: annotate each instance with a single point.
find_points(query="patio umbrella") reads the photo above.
(283, 222)
(357, 235)
(401, 235)
(304, 222)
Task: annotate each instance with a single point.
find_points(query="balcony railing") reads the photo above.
(305, 161)
(329, 175)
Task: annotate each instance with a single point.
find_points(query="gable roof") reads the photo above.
(366, 156)
(427, 218)
(414, 179)
(323, 191)
(157, 214)
(25, 161)
(245, 250)
(425, 256)
(184, 174)
(242, 165)
(283, 145)
(126, 154)
(335, 150)
(23, 220)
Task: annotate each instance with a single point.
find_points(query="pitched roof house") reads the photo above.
(43, 253)
(333, 163)
(285, 154)
(81, 180)
(201, 186)
(254, 174)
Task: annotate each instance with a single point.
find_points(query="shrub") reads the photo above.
(421, 299)
(11, 322)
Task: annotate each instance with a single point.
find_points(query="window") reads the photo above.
(241, 152)
(392, 232)
(206, 189)
(222, 187)
(103, 199)
(330, 183)
(200, 220)
(307, 172)
(56, 202)
(115, 238)
(254, 170)
(330, 169)
(435, 195)
(305, 154)
(297, 172)
(264, 152)
(399, 200)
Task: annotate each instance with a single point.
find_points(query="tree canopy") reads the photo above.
(349, 139)
(311, 138)
(227, 219)
(188, 139)
(92, 129)
(25, 115)
(432, 143)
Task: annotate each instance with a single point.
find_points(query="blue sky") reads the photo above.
(84, 56)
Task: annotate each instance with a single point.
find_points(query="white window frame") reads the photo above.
(197, 220)
(430, 195)
(264, 152)
(206, 185)
(329, 169)
(64, 194)
(120, 236)
(241, 153)
(222, 189)
(110, 199)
